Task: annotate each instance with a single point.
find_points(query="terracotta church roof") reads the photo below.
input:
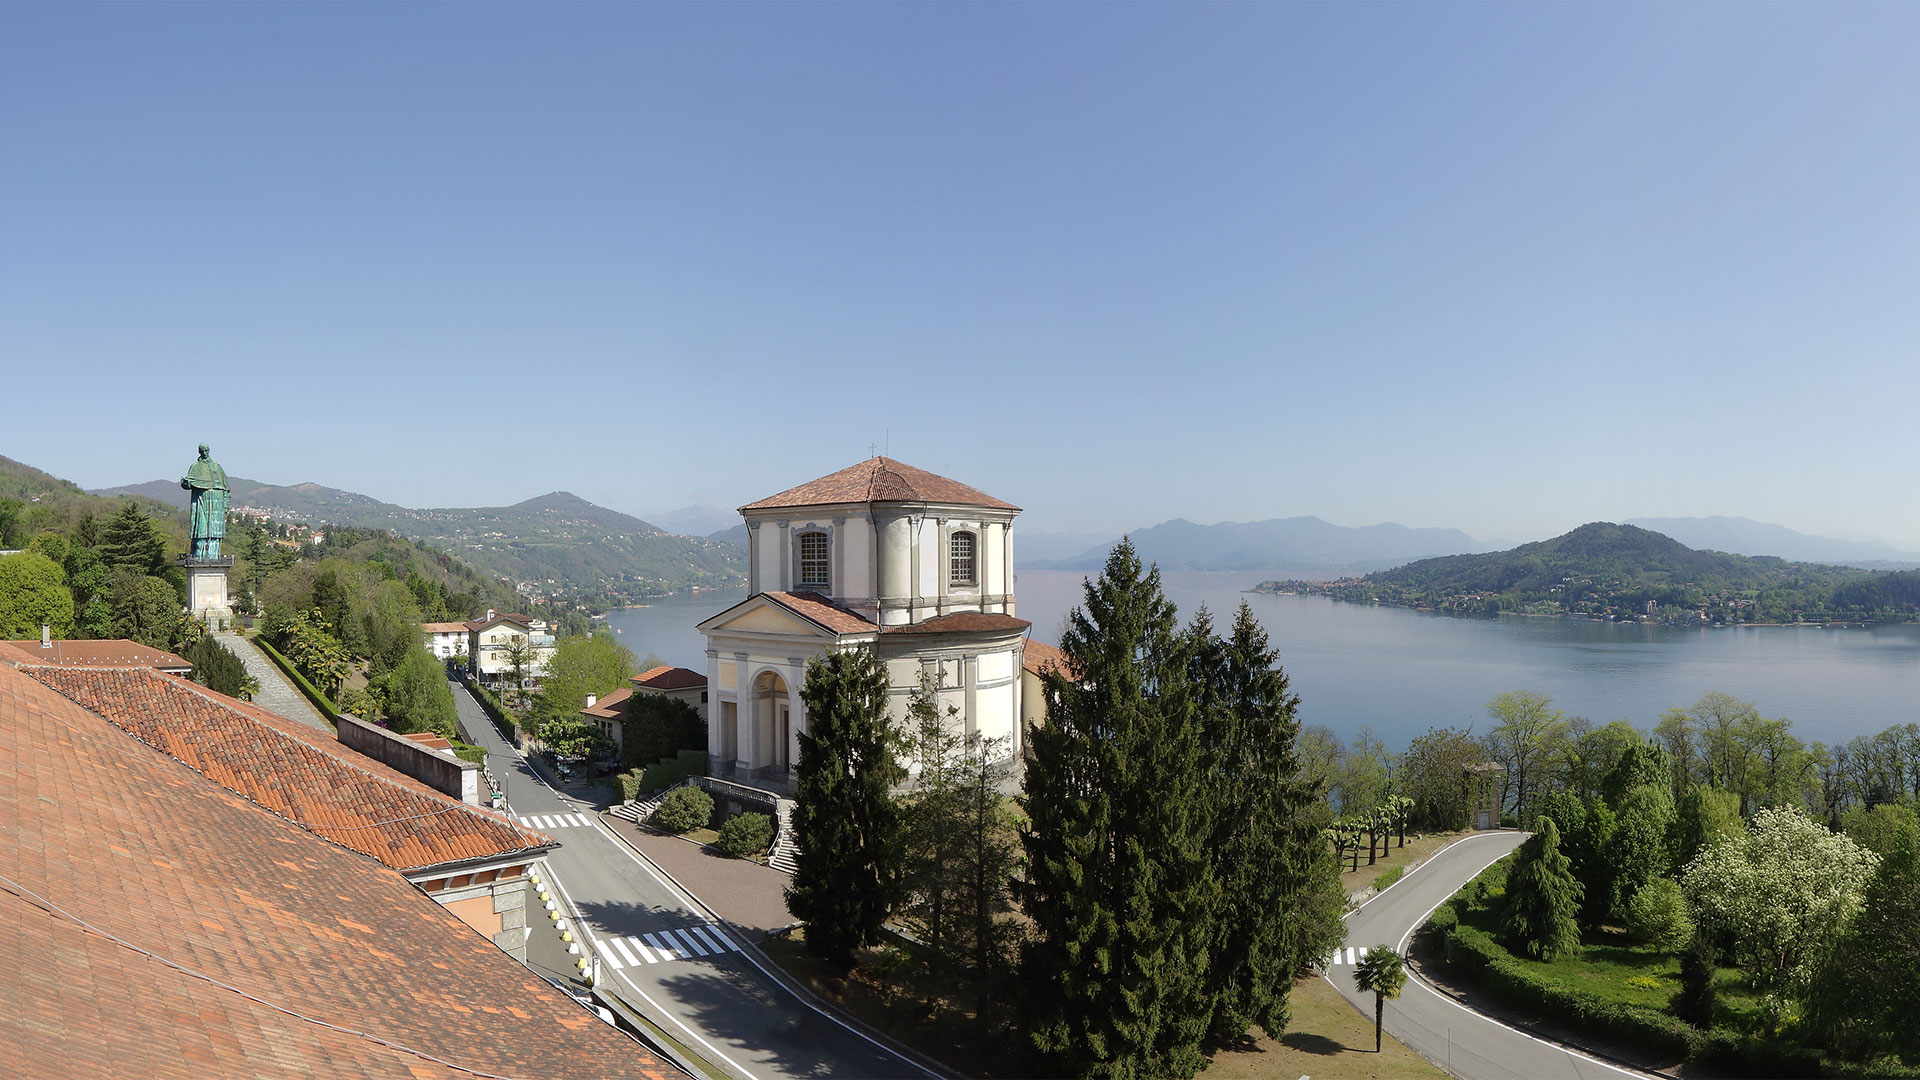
(962, 622)
(821, 611)
(880, 479)
(667, 677)
(293, 770)
(157, 927)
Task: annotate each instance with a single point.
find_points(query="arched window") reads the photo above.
(960, 559)
(814, 568)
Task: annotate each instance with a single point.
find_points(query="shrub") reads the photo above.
(1657, 915)
(629, 783)
(1388, 878)
(746, 834)
(683, 808)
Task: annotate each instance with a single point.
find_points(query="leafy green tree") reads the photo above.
(1883, 829)
(417, 698)
(12, 511)
(1542, 899)
(1383, 974)
(657, 727)
(1588, 754)
(89, 580)
(131, 540)
(579, 666)
(576, 738)
(308, 642)
(1637, 850)
(1642, 762)
(1433, 775)
(33, 591)
(1586, 833)
(845, 883)
(1119, 886)
(1697, 997)
(1869, 989)
(1657, 915)
(1703, 817)
(1781, 893)
(145, 609)
(216, 667)
(1526, 728)
(929, 812)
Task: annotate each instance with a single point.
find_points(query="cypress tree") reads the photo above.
(1542, 898)
(216, 667)
(1118, 881)
(845, 881)
(1266, 838)
(131, 540)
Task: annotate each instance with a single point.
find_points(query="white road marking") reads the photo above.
(1349, 955)
(645, 953)
(608, 953)
(625, 953)
(701, 933)
(682, 935)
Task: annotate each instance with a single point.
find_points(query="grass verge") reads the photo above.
(1419, 847)
(1327, 1039)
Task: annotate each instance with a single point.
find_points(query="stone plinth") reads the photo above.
(207, 590)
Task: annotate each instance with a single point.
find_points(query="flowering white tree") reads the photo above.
(1783, 891)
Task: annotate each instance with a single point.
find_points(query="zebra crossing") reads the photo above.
(1347, 957)
(553, 821)
(683, 943)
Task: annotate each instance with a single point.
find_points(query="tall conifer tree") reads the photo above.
(1542, 898)
(846, 880)
(1266, 841)
(1118, 880)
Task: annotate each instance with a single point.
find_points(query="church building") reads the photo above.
(913, 565)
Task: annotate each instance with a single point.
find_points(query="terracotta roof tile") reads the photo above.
(173, 866)
(609, 707)
(445, 627)
(665, 677)
(821, 611)
(106, 653)
(294, 771)
(961, 622)
(1041, 658)
(880, 479)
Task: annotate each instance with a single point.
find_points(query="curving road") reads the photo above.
(663, 951)
(1465, 1043)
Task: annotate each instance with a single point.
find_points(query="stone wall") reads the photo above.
(441, 772)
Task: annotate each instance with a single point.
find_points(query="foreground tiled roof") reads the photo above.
(111, 653)
(880, 479)
(1041, 658)
(610, 706)
(821, 611)
(670, 678)
(303, 959)
(961, 622)
(294, 771)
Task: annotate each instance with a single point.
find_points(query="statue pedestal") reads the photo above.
(207, 590)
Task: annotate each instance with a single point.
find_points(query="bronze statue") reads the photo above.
(208, 482)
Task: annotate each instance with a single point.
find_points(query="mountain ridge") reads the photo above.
(1296, 543)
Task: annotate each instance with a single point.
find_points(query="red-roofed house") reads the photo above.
(916, 566)
(491, 639)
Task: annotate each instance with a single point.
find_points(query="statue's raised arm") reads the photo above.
(208, 483)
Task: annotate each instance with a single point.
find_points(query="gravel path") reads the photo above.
(277, 692)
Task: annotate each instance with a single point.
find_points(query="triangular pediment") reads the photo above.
(759, 615)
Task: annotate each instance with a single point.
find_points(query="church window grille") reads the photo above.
(960, 558)
(814, 567)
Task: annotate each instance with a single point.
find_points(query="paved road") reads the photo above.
(663, 955)
(1437, 1027)
(277, 692)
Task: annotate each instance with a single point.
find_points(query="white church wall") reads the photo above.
(993, 711)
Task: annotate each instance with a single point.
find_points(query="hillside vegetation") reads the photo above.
(560, 547)
(1621, 572)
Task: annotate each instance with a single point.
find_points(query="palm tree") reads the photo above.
(1383, 974)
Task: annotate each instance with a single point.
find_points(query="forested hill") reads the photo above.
(32, 501)
(564, 548)
(1623, 572)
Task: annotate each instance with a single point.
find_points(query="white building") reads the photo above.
(444, 640)
(490, 639)
(916, 566)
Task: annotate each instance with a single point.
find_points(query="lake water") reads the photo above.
(1402, 671)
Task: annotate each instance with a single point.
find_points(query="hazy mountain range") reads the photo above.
(1296, 543)
(558, 539)
(1743, 536)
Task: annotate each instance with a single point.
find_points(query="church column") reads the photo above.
(748, 735)
(796, 715)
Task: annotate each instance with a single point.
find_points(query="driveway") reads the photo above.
(1465, 1043)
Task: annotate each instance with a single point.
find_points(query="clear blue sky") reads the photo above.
(1506, 268)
